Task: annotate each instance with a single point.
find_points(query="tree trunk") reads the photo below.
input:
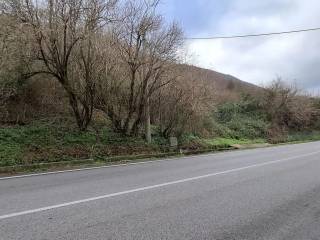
(83, 116)
(147, 123)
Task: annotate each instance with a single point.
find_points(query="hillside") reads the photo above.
(43, 97)
(219, 80)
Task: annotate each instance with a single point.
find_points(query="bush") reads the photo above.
(243, 120)
(277, 134)
(221, 130)
(304, 136)
(248, 128)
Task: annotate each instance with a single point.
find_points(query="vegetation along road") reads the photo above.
(90, 83)
(269, 193)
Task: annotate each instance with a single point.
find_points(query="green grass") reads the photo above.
(50, 145)
(10, 154)
(217, 143)
(230, 142)
(50, 142)
(42, 142)
(304, 136)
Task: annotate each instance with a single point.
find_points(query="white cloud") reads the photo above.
(295, 57)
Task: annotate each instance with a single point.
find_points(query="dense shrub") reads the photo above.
(240, 120)
(246, 127)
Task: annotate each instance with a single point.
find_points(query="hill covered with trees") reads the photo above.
(100, 78)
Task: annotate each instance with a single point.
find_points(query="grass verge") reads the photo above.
(44, 146)
(74, 164)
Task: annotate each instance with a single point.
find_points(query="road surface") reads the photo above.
(270, 193)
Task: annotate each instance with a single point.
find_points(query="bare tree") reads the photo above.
(64, 32)
(146, 49)
(286, 106)
(5, 56)
(183, 105)
(13, 62)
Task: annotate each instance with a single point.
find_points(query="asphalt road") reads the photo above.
(270, 193)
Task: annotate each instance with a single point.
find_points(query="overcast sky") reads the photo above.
(294, 57)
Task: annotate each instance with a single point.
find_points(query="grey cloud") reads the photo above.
(294, 57)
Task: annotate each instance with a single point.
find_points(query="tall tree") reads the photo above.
(64, 32)
(13, 61)
(146, 50)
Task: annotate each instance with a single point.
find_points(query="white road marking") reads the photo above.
(110, 166)
(126, 164)
(149, 187)
(77, 170)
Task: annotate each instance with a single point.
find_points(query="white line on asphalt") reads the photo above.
(118, 165)
(108, 166)
(78, 169)
(149, 187)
